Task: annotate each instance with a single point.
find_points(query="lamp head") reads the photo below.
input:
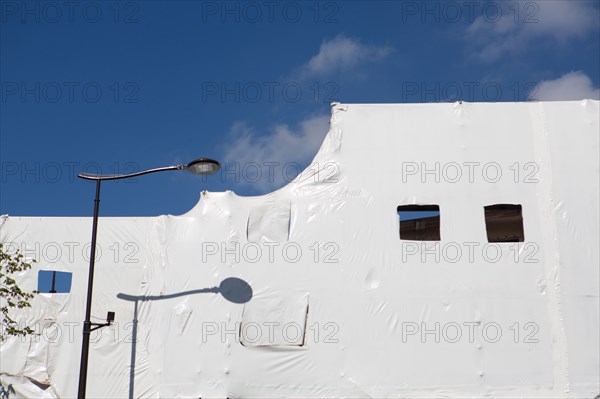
(203, 166)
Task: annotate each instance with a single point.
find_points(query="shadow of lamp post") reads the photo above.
(200, 166)
(233, 289)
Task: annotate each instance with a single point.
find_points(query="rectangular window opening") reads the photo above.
(419, 222)
(504, 223)
(53, 282)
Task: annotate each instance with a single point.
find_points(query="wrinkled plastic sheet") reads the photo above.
(342, 307)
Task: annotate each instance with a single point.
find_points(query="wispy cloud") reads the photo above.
(571, 86)
(521, 24)
(342, 54)
(284, 148)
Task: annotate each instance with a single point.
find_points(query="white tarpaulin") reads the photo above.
(310, 291)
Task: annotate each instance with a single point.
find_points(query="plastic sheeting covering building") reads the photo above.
(329, 301)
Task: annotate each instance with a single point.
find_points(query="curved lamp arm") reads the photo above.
(91, 176)
(200, 166)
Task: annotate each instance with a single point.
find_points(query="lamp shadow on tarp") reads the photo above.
(232, 289)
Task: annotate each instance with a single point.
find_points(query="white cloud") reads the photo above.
(565, 20)
(521, 24)
(288, 148)
(342, 53)
(570, 86)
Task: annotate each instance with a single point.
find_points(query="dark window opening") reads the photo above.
(504, 223)
(419, 222)
(53, 282)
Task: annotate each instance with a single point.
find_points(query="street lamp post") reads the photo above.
(200, 166)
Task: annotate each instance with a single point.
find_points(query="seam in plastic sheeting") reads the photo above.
(551, 255)
(269, 222)
(280, 312)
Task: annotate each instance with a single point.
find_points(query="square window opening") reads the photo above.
(419, 222)
(53, 282)
(504, 223)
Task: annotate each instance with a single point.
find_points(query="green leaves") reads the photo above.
(11, 295)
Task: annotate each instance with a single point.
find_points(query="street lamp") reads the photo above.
(200, 166)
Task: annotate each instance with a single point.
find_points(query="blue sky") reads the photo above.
(62, 281)
(121, 86)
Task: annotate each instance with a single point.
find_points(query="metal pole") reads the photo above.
(53, 288)
(200, 166)
(85, 348)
